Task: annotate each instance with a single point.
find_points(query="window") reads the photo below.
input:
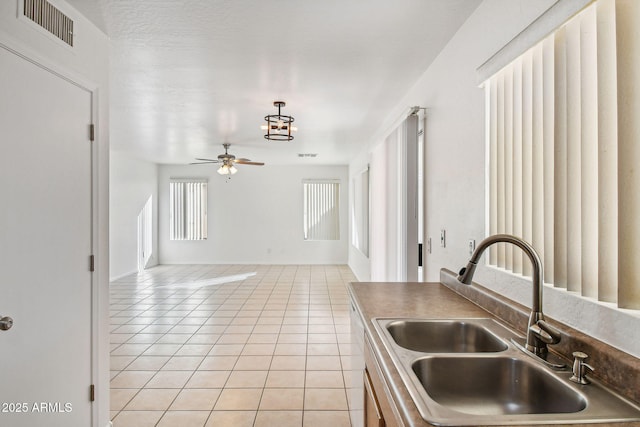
(562, 136)
(321, 217)
(187, 209)
(145, 234)
(360, 212)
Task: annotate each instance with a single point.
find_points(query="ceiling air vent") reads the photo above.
(307, 154)
(50, 18)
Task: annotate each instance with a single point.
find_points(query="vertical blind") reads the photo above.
(187, 209)
(321, 216)
(563, 140)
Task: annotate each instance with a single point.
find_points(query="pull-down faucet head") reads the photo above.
(539, 333)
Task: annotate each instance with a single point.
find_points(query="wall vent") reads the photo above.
(307, 154)
(50, 18)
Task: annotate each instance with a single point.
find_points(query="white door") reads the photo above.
(45, 243)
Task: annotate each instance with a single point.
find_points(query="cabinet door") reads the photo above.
(372, 413)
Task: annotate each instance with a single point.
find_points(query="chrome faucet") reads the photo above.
(539, 333)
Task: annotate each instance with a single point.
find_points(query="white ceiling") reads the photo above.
(187, 76)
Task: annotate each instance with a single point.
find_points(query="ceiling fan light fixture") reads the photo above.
(278, 126)
(227, 162)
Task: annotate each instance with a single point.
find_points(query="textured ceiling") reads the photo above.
(187, 76)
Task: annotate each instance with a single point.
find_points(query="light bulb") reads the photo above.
(224, 170)
(233, 170)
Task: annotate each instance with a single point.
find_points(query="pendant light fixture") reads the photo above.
(227, 169)
(278, 126)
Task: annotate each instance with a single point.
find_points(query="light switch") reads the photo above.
(443, 238)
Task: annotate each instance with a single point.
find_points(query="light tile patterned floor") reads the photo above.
(270, 350)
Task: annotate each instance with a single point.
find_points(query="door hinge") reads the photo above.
(92, 263)
(92, 392)
(92, 132)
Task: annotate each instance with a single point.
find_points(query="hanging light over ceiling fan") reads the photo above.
(279, 126)
(228, 162)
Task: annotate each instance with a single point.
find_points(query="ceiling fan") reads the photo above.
(228, 161)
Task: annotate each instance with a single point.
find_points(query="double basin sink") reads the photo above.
(469, 372)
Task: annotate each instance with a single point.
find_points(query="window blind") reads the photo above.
(321, 215)
(187, 209)
(563, 144)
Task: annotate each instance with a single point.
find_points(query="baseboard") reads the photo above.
(111, 279)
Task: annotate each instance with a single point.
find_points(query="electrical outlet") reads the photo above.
(443, 238)
(472, 246)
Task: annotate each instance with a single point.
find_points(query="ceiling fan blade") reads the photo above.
(242, 159)
(204, 163)
(249, 163)
(209, 160)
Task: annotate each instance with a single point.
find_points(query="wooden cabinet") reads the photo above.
(372, 413)
(379, 411)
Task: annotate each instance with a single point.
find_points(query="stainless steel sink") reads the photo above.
(468, 372)
(495, 386)
(444, 336)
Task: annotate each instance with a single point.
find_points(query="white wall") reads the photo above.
(387, 225)
(133, 181)
(358, 261)
(87, 62)
(254, 218)
(455, 168)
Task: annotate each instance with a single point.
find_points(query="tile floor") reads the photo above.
(270, 350)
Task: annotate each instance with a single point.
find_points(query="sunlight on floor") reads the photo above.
(270, 348)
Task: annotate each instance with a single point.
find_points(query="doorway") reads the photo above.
(414, 191)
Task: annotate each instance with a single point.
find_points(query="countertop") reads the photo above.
(429, 300)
